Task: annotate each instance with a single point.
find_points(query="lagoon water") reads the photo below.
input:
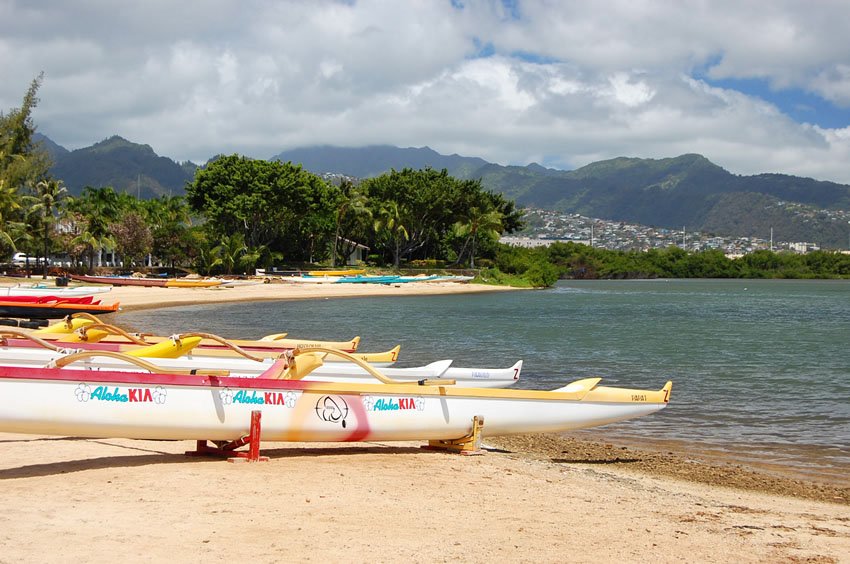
(761, 368)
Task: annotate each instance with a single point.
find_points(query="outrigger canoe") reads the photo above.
(174, 405)
(147, 282)
(52, 307)
(12, 355)
(361, 279)
(43, 290)
(311, 279)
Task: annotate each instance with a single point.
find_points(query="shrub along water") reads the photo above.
(542, 266)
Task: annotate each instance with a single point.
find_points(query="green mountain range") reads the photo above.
(686, 191)
(126, 166)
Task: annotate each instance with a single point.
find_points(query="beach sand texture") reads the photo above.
(110, 500)
(527, 499)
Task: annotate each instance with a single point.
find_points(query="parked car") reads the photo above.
(20, 259)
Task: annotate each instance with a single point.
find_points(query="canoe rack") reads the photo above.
(467, 445)
(228, 450)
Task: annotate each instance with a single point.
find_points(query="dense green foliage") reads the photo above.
(420, 214)
(572, 260)
(283, 213)
(271, 204)
(27, 199)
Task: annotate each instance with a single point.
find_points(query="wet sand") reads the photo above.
(541, 498)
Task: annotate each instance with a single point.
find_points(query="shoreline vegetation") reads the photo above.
(543, 266)
(587, 496)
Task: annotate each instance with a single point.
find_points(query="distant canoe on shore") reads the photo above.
(44, 290)
(148, 282)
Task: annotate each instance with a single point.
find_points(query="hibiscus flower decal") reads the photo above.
(83, 392)
(289, 399)
(226, 396)
(159, 395)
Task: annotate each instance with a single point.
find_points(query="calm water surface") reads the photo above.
(760, 368)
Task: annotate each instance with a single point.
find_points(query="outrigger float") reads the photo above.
(279, 405)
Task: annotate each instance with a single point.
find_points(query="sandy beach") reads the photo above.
(131, 297)
(529, 498)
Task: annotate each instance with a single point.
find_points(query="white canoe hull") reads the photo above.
(155, 406)
(68, 292)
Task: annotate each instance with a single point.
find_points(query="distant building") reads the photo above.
(358, 254)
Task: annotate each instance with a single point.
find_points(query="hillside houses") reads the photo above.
(543, 227)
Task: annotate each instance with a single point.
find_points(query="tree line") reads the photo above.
(542, 266)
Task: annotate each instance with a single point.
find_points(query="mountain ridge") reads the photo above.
(124, 165)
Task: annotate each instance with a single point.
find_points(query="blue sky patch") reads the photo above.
(799, 105)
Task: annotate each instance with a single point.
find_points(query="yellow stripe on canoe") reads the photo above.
(601, 394)
(192, 283)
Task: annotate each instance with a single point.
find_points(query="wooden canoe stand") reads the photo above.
(467, 445)
(228, 450)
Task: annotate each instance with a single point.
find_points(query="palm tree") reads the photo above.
(230, 252)
(88, 241)
(100, 208)
(478, 222)
(390, 220)
(48, 195)
(353, 203)
(9, 204)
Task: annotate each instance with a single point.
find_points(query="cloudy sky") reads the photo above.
(754, 86)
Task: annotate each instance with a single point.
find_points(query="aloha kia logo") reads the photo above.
(229, 397)
(393, 404)
(85, 393)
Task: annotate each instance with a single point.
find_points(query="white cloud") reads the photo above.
(569, 83)
(628, 91)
